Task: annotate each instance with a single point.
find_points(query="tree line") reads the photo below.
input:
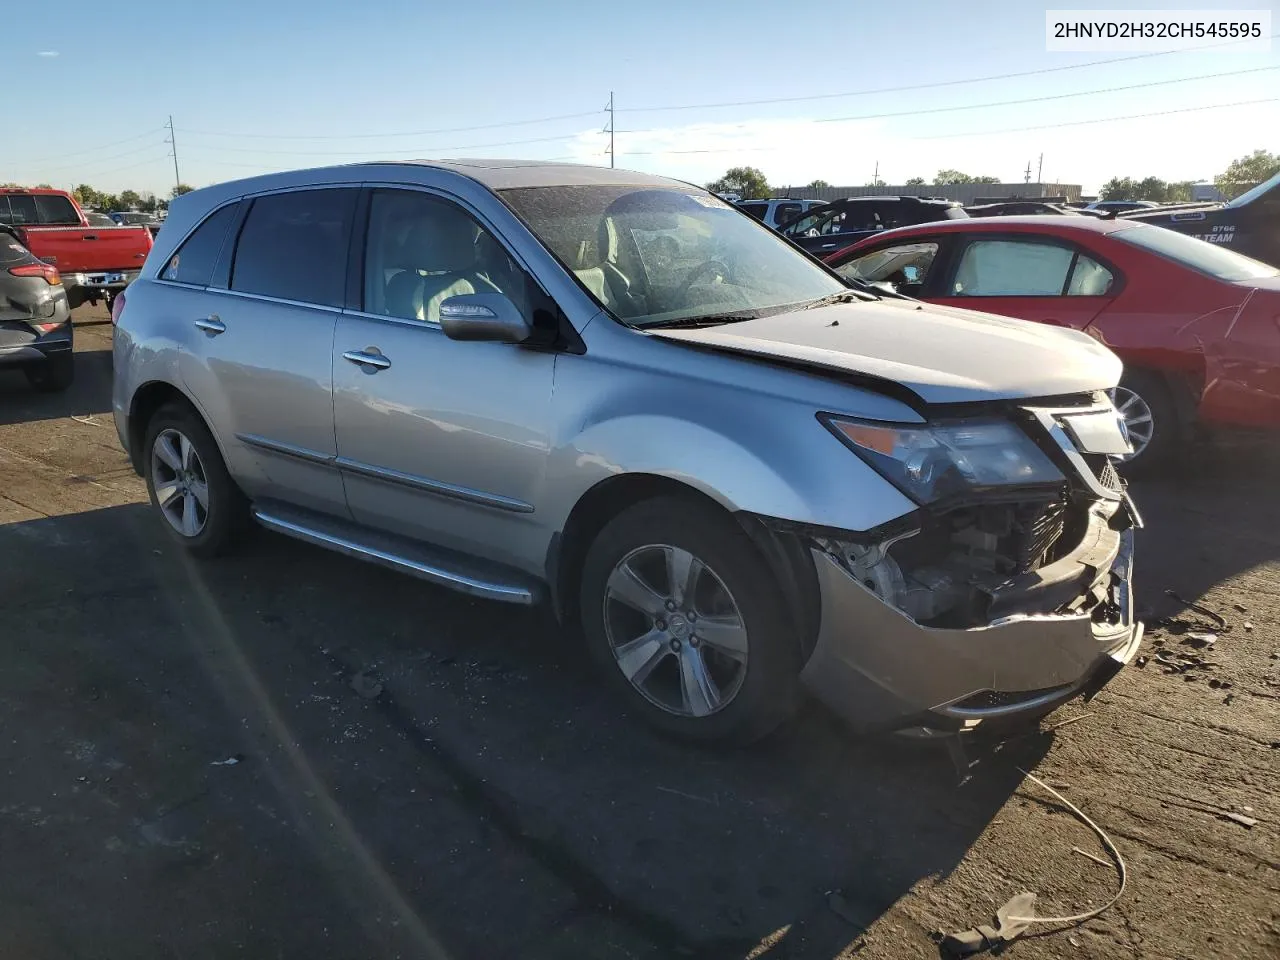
(147, 202)
(750, 183)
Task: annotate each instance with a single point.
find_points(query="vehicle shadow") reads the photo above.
(694, 851)
(691, 849)
(89, 395)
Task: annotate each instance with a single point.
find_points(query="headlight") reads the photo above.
(932, 461)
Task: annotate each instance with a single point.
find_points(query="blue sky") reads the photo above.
(277, 84)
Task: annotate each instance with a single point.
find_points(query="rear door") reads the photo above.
(259, 360)
(1042, 279)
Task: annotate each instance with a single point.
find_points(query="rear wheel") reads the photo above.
(189, 485)
(1147, 408)
(686, 623)
(54, 374)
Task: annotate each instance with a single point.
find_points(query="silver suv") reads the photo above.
(616, 393)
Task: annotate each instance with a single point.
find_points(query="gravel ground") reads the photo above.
(291, 754)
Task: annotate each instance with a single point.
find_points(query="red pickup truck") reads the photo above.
(96, 263)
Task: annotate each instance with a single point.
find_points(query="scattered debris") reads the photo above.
(1090, 856)
(1200, 640)
(1226, 701)
(1247, 822)
(229, 762)
(1018, 913)
(1198, 608)
(687, 796)
(1248, 625)
(1241, 607)
(1140, 662)
(1063, 723)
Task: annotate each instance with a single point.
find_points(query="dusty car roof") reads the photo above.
(507, 174)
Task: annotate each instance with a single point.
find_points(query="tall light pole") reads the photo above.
(172, 141)
(609, 129)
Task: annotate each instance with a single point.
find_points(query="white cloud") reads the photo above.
(47, 53)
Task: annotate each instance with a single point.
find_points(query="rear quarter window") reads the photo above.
(193, 262)
(1197, 254)
(54, 210)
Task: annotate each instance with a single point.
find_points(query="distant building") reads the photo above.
(1206, 191)
(966, 193)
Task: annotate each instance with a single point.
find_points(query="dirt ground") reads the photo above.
(291, 754)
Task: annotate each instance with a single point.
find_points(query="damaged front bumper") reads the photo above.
(880, 669)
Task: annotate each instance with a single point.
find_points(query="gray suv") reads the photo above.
(737, 476)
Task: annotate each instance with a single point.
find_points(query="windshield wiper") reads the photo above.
(842, 296)
(705, 320)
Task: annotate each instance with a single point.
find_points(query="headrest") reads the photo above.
(586, 254)
(441, 243)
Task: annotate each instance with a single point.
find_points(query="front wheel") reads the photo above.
(1151, 418)
(684, 619)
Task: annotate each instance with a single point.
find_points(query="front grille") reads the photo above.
(1109, 478)
(1042, 527)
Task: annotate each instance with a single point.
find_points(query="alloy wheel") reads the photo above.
(675, 631)
(1137, 417)
(179, 480)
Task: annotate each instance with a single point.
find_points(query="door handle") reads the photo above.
(211, 325)
(370, 360)
(90, 236)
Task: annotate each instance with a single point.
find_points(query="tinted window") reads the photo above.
(22, 209)
(53, 209)
(1196, 254)
(194, 260)
(785, 211)
(1012, 268)
(294, 246)
(757, 210)
(422, 250)
(904, 265)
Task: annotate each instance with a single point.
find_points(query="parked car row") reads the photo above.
(35, 318)
(1194, 323)
(95, 262)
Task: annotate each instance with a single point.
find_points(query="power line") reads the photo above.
(1010, 103)
(984, 133)
(115, 156)
(416, 151)
(95, 149)
(406, 133)
(936, 84)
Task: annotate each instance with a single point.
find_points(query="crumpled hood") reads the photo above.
(941, 354)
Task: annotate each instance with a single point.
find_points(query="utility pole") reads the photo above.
(609, 128)
(1027, 176)
(177, 181)
(875, 177)
(1040, 169)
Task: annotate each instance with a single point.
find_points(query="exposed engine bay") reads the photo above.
(973, 564)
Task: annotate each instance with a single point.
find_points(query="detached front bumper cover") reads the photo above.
(880, 669)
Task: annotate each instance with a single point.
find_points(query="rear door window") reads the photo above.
(55, 210)
(1012, 268)
(785, 211)
(294, 246)
(22, 209)
(757, 210)
(194, 260)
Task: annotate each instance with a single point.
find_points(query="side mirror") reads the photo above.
(483, 316)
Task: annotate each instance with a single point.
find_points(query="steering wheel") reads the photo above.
(706, 266)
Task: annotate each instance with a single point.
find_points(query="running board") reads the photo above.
(435, 565)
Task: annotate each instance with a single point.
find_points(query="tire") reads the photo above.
(754, 664)
(1138, 389)
(224, 514)
(53, 375)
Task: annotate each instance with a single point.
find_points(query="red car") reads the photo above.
(1197, 325)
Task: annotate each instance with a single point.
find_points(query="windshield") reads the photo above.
(657, 255)
(1251, 195)
(1196, 254)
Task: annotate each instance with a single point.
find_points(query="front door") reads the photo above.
(438, 439)
(1030, 278)
(261, 363)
